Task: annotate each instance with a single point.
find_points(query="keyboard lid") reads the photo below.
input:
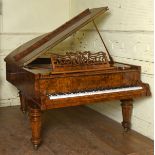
(31, 50)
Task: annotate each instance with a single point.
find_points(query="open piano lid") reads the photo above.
(29, 51)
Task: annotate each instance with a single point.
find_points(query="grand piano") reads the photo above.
(71, 79)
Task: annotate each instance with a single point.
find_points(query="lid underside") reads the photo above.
(31, 50)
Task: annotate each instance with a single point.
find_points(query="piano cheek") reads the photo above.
(47, 86)
(147, 89)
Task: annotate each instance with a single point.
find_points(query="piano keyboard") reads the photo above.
(116, 90)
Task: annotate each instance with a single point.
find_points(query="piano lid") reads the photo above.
(29, 51)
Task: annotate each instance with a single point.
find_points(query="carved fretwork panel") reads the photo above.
(79, 60)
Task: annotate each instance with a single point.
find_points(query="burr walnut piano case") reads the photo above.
(75, 78)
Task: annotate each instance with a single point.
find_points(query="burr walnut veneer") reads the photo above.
(75, 78)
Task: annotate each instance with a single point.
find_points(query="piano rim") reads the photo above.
(50, 73)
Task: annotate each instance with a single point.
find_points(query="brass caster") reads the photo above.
(35, 147)
(24, 111)
(126, 129)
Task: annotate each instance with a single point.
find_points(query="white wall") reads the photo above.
(22, 20)
(127, 30)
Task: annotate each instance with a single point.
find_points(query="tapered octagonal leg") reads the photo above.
(126, 112)
(35, 118)
(23, 104)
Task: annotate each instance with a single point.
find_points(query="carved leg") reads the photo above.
(23, 105)
(126, 112)
(35, 118)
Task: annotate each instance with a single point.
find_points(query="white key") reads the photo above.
(51, 97)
